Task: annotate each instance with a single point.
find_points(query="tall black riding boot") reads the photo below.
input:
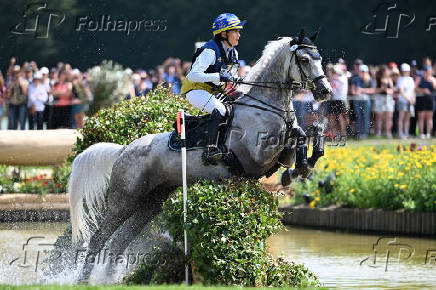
(213, 153)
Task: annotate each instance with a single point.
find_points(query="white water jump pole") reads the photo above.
(181, 131)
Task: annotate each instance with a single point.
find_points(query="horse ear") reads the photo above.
(314, 36)
(301, 36)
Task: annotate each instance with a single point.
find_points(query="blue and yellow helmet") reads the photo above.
(226, 21)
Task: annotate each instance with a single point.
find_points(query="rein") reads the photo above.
(269, 108)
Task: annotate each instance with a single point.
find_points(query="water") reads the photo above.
(335, 257)
(20, 263)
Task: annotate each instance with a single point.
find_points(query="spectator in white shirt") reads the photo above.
(37, 97)
(406, 99)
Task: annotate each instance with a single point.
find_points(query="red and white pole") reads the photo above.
(181, 131)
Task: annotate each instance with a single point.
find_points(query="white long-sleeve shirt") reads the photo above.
(37, 96)
(203, 61)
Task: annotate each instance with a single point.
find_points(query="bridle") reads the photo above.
(304, 84)
(293, 85)
(303, 76)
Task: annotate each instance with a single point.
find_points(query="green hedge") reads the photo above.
(131, 119)
(228, 224)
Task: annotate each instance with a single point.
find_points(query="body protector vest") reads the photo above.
(220, 61)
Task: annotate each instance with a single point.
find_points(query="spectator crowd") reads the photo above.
(384, 100)
(37, 98)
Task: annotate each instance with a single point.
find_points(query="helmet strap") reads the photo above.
(227, 40)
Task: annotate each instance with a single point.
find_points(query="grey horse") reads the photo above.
(127, 185)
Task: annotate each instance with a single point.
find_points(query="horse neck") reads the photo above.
(275, 72)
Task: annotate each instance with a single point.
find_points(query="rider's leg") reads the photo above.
(213, 152)
(205, 101)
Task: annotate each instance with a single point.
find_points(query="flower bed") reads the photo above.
(368, 177)
(40, 180)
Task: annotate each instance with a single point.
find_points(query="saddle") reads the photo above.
(196, 128)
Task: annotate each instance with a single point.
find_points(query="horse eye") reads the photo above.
(304, 60)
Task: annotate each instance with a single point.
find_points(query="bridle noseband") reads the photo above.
(307, 84)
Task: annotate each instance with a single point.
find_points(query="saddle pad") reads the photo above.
(196, 133)
(194, 143)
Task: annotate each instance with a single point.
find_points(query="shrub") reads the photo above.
(109, 84)
(227, 225)
(131, 119)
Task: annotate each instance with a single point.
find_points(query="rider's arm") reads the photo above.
(203, 61)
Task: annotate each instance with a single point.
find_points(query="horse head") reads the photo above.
(305, 65)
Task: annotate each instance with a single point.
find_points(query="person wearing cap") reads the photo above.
(16, 99)
(425, 94)
(28, 73)
(361, 87)
(209, 74)
(37, 97)
(406, 98)
(46, 80)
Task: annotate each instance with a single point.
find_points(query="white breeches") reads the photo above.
(203, 100)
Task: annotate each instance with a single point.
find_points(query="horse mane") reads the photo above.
(269, 52)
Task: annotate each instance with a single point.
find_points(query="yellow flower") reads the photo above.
(352, 190)
(396, 185)
(312, 204)
(403, 186)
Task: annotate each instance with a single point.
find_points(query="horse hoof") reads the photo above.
(82, 282)
(286, 177)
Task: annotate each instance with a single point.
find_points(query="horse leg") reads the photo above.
(116, 215)
(131, 228)
(134, 225)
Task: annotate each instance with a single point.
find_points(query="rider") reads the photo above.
(209, 74)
